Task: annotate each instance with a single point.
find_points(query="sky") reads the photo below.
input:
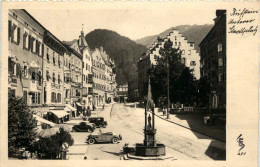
(134, 23)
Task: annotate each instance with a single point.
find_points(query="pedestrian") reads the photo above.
(85, 158)
(88, 111)
(103, 106)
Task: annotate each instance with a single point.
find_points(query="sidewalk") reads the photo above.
(195, 122)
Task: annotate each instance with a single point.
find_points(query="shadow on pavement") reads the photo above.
(215, 153)
(196, 123)
(113, 153)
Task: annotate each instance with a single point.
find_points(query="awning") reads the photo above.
(40, 119)
(59, 113)
(70, 107)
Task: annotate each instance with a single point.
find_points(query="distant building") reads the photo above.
(122, 91)
(75, 72)
(213, 61)
(189, 57)
(133, 94)
(87, 77)
(99, 78)
(110, 76)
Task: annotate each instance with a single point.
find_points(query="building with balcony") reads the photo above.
(75, 72)
(110, 76)
(87, 77)
(99, 78)
(25, 51)
(213, 61)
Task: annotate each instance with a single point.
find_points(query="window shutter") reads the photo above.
(29, 42)
(18, 36)
(39, 98)
(37, 47)
(9, 29)
(42, 50)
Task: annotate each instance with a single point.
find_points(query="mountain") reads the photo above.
(194, 33)
(122, 50)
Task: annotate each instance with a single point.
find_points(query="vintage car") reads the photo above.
(98, 121)
(103, 138)
(84, 126)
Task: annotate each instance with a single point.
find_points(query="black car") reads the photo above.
(98, 121)
(84, 127)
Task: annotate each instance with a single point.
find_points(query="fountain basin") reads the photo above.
(158, 150)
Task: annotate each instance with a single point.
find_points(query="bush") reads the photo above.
(21, 124)
(50, 148)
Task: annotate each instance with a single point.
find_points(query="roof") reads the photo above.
(72, 50)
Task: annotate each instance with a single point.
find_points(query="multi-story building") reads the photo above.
(213, 61)
(36, 65)
(189, 57)
(87, 77)
(25, 65)
(110, 76)
(75, 64)
(99, 78)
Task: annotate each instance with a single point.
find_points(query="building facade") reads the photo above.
(87, 77)
(75, 62)
(189, 57)
(213, 61)
(99, 78)
(25, 51)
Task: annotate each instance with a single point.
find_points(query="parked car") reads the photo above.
(98, 121)
(103, 138)
(84, 127)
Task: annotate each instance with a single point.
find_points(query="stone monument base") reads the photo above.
(158, 150)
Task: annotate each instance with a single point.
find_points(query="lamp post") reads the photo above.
(168, 89)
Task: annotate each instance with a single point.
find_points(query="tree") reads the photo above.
(21, 125)
(204, 91)
(158, 72)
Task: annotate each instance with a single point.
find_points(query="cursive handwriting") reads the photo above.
(240, 24)
(241, 13)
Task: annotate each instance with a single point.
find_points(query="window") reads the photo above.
(179, 43)
(59, 80)
(59, 98)
(220, 62)
(220, 77)
(47, 55)
(47, 75)
(33, 45)
(14, 32)
(25, 95)
(53, 97)
(193, 63)
(59, 61)
(26, 40)
(25, 72)
(33, 75)
(176, 44)
(86, 66)
(39, 78)
(53, 58)
(83, 77)
(77, 78)
(175, 37)
(219, 47)
(189, 52)
(83, 65)
(53, 77)
(191, 44)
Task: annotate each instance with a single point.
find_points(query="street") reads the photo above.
(181, 143)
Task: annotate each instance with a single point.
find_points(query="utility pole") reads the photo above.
(168, 89)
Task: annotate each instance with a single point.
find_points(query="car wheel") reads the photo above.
(74, 130)
(91, 141)
(90, 130)
(114, 140)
